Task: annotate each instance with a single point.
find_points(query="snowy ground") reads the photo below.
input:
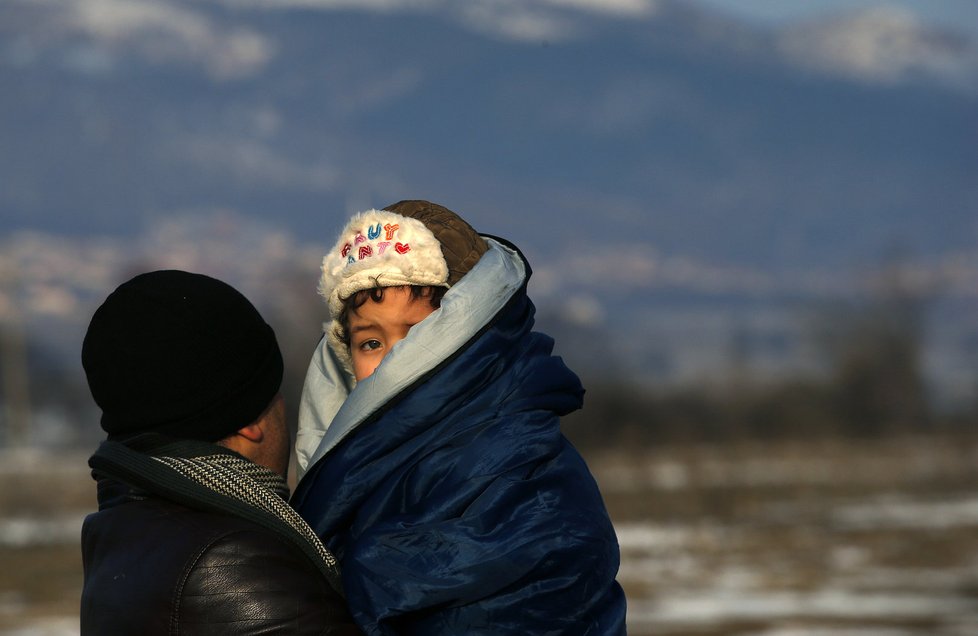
(867, 539)
(825, 539)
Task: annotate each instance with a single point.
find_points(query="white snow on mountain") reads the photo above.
(97, 35)
(885, 45)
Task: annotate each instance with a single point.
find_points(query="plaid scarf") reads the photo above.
(213, 478)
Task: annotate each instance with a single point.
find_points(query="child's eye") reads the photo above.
(369, 345)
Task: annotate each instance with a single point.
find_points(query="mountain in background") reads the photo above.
(669, 170)
(554, 123)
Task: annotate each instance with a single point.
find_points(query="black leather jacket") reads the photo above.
(156, 567)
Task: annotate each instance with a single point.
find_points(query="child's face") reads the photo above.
(376, 327)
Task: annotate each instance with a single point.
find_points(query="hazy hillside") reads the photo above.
(663, 123)
(687, 187)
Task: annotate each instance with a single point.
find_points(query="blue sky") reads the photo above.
(960, 14)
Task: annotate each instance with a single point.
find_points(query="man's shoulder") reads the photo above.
(207, 538)
(199, 567)
(251, 555)
(250, 578)
(161, 516)
(159, 528)
(248, 546)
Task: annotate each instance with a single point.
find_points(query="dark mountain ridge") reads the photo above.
(680, 129)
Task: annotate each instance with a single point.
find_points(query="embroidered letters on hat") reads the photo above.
(378, 248)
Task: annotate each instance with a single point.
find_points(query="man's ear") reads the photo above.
(252, 432)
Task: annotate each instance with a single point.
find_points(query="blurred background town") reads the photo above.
(753, 228)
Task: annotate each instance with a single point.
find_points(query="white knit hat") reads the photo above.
(378, 248)
(381, 248)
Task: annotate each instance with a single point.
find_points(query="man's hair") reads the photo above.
(418, 292)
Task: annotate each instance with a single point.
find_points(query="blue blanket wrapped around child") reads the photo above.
(444, 485)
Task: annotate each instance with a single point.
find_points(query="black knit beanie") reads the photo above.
(180, 354)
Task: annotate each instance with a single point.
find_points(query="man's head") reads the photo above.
(183, 355)
(411, 244)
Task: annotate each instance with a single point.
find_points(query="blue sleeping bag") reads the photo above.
(444, 485)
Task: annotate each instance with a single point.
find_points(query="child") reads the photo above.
(430, 455)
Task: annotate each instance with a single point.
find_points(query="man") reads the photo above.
(193, 533)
